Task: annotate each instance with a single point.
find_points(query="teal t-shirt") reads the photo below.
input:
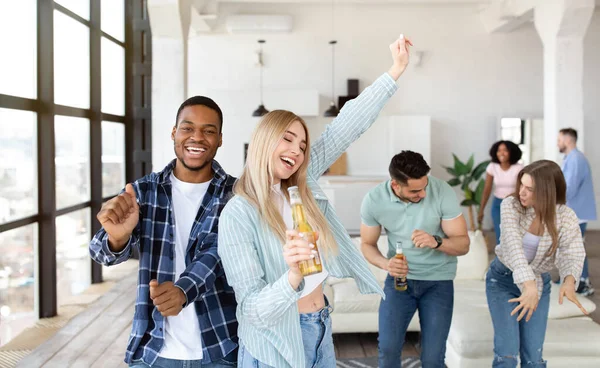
(399, 219)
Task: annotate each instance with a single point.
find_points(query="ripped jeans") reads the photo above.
(512, 338)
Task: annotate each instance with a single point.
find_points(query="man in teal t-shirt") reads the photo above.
(423, 214)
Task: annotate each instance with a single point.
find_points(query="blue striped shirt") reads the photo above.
(203, 281)
(252, 254)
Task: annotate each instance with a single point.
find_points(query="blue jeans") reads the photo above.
(227, 362)
(496, 204)
(512, 338)
(435, 302)
(317, 339)
(584, 273)
(246, 360)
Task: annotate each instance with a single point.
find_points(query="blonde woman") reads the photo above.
(284, 317)
(539, 232)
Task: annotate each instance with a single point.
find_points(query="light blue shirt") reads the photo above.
(252, 255)
(580, 190)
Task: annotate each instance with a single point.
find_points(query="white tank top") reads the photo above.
(530, 245)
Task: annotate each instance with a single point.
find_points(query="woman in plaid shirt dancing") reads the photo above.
(538, 232)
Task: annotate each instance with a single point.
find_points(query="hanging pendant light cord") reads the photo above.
(333, 42)
(332, 71)
(261, 74)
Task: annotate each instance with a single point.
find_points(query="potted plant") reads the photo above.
(468, 177)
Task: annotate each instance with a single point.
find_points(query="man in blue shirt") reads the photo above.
(580, 191)
(185, 309)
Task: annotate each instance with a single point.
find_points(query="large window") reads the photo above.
(74, 123)
(18, 69)
(18, 166)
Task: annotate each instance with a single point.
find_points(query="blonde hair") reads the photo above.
(257, 178)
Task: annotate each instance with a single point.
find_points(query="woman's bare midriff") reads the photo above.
(313, 302)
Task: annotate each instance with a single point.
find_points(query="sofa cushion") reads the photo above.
(473, 265)
(471, 293)
(348, 299)
(472, 335)
(567, 309)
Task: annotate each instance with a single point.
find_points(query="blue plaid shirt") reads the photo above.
(203, 281)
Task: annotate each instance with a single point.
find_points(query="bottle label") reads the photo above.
(400, 283)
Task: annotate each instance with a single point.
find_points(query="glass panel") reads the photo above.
(18, 30)
(71, 62)
(113, 78)
(79, 7)
(72, 160)
(17, 281)
(73, 262)
(18, 164)
(512, 130)
(113, 158)
(113, 18)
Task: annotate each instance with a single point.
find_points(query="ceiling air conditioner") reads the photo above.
(259, 23)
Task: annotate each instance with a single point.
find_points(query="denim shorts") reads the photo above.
(226, 362)
(316, 337)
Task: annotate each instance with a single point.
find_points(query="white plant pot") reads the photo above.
(473, 265)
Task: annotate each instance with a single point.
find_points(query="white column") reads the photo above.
(561, 25)
(169, 20)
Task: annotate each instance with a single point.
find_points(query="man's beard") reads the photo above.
(193, 168)
(408, 199)
(197, 168)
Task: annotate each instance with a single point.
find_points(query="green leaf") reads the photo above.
(468, 202)
(466, 182)
(459, 167)
(468, 193)
(479, 191)
(470, 163)
(450, 170)
(480, 169)
(454, 182)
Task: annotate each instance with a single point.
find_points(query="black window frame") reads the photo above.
(137, 121)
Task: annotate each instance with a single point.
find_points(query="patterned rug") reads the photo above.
(371, 362)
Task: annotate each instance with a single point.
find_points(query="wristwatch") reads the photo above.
(439, 240)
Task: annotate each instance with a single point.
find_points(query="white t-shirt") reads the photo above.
(182, 332)
(504, 181)
(310, 282)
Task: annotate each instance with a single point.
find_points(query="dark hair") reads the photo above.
(570, 132)
(514, 152)
(203, 101)
(408, 165)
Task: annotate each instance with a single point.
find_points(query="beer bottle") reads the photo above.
(400, 282)
(313, 265)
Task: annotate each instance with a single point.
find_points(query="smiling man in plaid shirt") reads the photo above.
(185, 310)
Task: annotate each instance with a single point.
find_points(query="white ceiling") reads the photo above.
(378, 2)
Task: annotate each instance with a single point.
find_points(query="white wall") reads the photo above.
(167, 95)
(467, 81)
(591, 103)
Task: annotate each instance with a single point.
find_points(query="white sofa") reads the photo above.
(572, 339)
